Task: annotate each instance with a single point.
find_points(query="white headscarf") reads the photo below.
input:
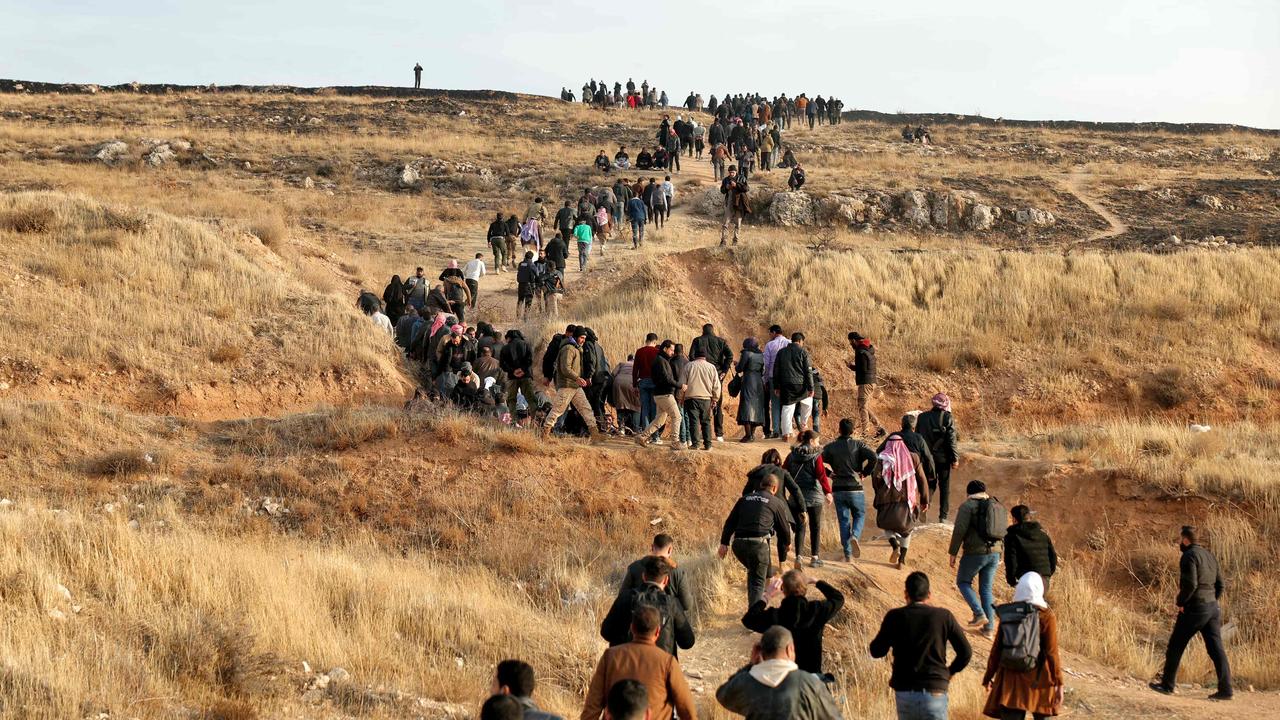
(1031, 590)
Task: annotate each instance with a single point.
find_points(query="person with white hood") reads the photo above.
(773, 687)
(1017, 681)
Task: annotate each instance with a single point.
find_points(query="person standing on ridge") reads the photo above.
(417, 76)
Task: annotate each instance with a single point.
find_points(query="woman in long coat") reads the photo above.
(751, 400)
(1014, 693)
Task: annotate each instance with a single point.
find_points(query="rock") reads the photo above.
(1034, 216)
(790, 209)
(57, 614)
(409, 177)
(308, 183)
(915, 208)
(160, 155)
(982, 217)
(1166, 194)
(111, 151)
(247, 165)
(839, 210)
(180, 145)
(1212, 202)
(339, 675)
(63, 592)
(950, 208)
(5, 504)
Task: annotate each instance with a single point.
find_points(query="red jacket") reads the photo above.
(643, 368)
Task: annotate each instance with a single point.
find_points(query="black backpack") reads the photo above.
(989, 521)
(654, 596)
(549, 357)
(1019, 638)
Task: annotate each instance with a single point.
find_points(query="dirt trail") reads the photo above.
(1074, 183)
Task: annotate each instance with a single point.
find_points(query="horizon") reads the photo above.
(1215, 63)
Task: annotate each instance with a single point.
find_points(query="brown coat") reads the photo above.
(655, 668)
(886, 496)
(1035, 691)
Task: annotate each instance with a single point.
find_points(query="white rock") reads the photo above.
(5, 504)
(791, 209)
(409, 177)
(111, 151)
(339, 675)
(180, 145)
(1034, 216)
(160, 155)
(308, 183)
(915, 208)
(983, 217)
(1199, 428)
(63, 592)
(306, 667)
(1212, 202)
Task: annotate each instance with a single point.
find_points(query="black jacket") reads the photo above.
(1027, 548)
(663, 376)
(757, 515)
(565, 218)
(788, 489)
(916, 443)
(1199, 579)
(497, 228)
(516, 354)
(677, 586)
(806, 620)
(717, 350)
(792, 373)
(557, 252)
(676, 631)
(864, 364)
(850, 461)
(939, 430)
(918, 634)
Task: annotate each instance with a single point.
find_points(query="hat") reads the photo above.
(457, 329)
(465, 369)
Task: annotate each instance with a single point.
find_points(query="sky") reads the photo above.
(1121, 60)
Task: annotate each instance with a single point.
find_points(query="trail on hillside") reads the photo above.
(1074, 183)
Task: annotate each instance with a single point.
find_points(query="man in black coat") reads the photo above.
(676, 633)
(938, 427)
(806, 619)
(677, 586)
(1199, 588)
(864, 375)
(1027, 548)
(718, 354)
(557, 252)
(793, 384)
(516, 360)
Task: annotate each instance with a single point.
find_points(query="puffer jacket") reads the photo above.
(1027, 548)
(805, 465)
(792, 373)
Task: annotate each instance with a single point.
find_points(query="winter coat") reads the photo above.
(677, 633)
(557, 253)
(1027, 548)
(716, 349)
(796, 695)
(892, 511)
(663, 376)
(751, 400)
(1034, 690)
(792, 374)
(806, 619)
(625, 395)
(938, 427)
(864, 363)
(516, 355)
(806, 466)
(965, 533)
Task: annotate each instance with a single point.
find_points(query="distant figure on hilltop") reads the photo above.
(417, 76)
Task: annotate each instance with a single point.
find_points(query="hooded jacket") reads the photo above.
(806, 619)
(1027, 548)
(806, 466)
(864, 363)
(777, 690)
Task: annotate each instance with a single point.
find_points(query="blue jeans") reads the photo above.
(851, 513)
(921, 705)
(584, 252)
(684, 425)
(984, 568)
(648, 408)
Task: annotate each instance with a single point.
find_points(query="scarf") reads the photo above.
(942, 402)
(1030, 590)
(899, 470)
(437, 323)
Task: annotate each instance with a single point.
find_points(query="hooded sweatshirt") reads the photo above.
(777, 690)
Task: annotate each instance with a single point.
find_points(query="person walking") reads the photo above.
(584, 235)
(719, 355)
(804, 462)
(1200, 587)
(755, 520)
(643, 661)
(641, 376)
(566, 219)
(773, 420)
(774, 687)
(665, 386)
(805, 619)
(918, 445)
(676, 632)
(700, 385)
(901, 496)
(512, 230)
(850, 461)
(793, 385)
(1013, 689)
(471, 274)
(918, 635)
(569, 385)
(938, 428)
(557, 252)
(417, 76)
(516, 678)
(734, 189)
(752, 403)
(677, 586)
(973, 532)
(864, 375)
(1028, 548)
(498, 243)
(638, 215)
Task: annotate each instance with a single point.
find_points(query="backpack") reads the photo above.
(656, 597)
(989, 521)
(549, 357)
(1019, 638)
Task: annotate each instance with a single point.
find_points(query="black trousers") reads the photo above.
(814, 514)
(812, 120)
(941, 488)
(754, 554)
(699, 412)
(1205, 620)
(717, 412)
(674, 162)
(474, 287)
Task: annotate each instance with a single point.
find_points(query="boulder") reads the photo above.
(982, 217)
(839, 210)
(111, 151)
(915, 208)
(308, 183)
(1034, 216)
(950, 208)
(409, 177)
(1211, 202)
(709, 202)
(180, 145)
(790, 209)
(159, 155)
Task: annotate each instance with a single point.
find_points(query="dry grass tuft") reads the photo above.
(272, 231)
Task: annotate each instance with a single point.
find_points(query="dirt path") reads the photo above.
(1074, 183)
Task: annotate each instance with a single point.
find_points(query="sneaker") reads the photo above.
(657, 441)
(719, 438)
(988, 632)
(815, 562)
(978, 620)
(1220, 696)
(893, 557)
(854, 548)
(1161, 688)
(848, 557)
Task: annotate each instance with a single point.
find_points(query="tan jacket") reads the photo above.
(655, 668)
(569, 366)
(700, 380)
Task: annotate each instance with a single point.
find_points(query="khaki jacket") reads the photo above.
(701, 380)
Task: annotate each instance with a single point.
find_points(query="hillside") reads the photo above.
(217, 492)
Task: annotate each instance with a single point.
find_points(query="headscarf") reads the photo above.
(898, 469)
(394, 289)
(942, 402)
(751, 344)
(1031, 590)
(457, 329)
(437, 323)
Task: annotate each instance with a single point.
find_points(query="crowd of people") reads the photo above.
(801, 108)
